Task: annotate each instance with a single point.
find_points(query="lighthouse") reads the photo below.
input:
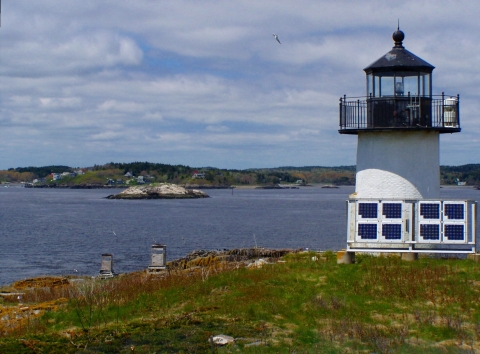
(396, 206)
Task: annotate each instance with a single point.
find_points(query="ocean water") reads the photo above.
(65, 231)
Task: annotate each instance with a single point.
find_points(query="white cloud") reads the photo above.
(119, 106)
(101, 49)
(164, 76)
(49, 102)
(217, 129)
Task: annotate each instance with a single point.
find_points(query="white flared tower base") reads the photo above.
(399, 165)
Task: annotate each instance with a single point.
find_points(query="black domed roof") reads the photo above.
(399, 59)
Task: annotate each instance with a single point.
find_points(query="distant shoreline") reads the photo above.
(186, 186)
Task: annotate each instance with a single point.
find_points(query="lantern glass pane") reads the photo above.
(370, 85)
(387, 88)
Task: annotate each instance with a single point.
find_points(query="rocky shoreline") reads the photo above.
(239, 255)
(195, 259)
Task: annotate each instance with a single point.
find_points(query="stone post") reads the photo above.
(344, 257)
(409, 256)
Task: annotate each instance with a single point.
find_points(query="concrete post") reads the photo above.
(344, 257)
(474, 257)
(409, 256)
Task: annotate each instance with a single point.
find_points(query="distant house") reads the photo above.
(128, 175)
(199, 175)
(68, 174)
(148, 178)
(299, 181)
(56, 176)
(39, 180)
(459, 183)
(140, 180)
(79, 172)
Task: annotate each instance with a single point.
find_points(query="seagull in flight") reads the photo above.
(276, 37)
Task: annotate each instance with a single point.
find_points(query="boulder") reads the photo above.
(222, 339)
(160, 191)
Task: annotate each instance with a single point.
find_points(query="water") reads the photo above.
(58, 231)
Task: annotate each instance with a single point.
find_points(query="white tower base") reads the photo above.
(398, 165)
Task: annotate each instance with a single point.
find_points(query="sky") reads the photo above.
(204, 83)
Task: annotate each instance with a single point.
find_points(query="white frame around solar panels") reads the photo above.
(410, 221)
(467, 214)
(380, 220)
(401, 221)
(428, 222)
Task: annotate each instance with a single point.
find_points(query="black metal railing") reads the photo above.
(402, 112)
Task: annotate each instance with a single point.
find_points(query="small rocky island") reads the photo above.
(159, 191)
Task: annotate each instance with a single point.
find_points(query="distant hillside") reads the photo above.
(180, 174)
(341, 175)
(466, 173)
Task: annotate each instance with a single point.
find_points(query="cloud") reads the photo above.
(118, 106)
(64, 102)
(206, 81)
(217, 129)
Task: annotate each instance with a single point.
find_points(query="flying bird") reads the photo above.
(276, 37)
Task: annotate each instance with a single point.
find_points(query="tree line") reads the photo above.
(180, 174)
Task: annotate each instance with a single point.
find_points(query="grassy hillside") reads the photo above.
(298, 304)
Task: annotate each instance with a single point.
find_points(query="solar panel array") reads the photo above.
(368, 210)
(367, 231)
(392, 231)
(430, 210)
(395, 221)
(387, 221)
(454, 232)
(430, 232)
(392, 210)
(454, 211)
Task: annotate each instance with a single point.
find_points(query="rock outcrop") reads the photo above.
(205, 258)
(160, 191)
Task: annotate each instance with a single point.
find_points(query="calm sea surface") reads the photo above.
(57, 231)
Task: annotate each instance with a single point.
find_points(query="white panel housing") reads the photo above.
(433, 226)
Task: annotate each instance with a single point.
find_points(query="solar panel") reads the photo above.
(430, 231)
(454, 211)
(392, 210)
(367, 231)
(454, 232)
(368, 210)
(430, 211)
(392, 231)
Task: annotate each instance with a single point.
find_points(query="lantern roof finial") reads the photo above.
(399, 58)
(398, 36)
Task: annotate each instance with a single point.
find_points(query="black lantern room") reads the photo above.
(399, 97)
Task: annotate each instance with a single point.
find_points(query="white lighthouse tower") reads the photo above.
(396, 205)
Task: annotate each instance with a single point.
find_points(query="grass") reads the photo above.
(379, 304)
